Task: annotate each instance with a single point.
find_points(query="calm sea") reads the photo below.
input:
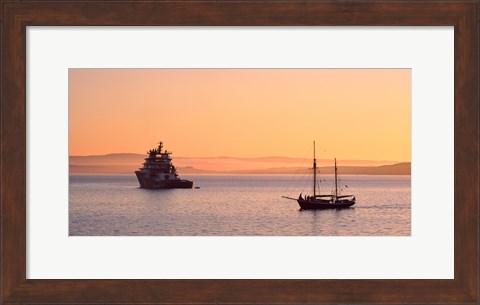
(236, 205)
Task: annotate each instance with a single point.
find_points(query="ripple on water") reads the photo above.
(229, 205)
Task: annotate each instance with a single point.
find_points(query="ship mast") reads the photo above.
(336, 190)
(314, 171)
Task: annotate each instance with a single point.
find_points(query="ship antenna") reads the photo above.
(160, 146)
(314, 171)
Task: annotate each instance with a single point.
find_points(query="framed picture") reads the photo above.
(240, 152)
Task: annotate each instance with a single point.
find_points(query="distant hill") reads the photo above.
(131, 158)
(127, 163)
(108, 159)
(394, 169)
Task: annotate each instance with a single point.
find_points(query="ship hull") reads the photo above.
(322, 204)
(151, 183)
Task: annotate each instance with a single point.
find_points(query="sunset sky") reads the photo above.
(358, 114)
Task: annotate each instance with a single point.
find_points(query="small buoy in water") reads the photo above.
(197, 187)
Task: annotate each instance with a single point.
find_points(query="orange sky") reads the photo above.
(351, 113)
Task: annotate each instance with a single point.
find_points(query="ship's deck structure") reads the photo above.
(159, 172)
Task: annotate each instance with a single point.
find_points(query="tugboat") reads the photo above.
(327, 201)
(158, 172)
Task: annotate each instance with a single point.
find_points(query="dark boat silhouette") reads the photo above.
(158, 172)
(326, 201)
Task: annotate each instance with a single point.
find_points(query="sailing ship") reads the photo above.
(325, 201)
(158, 171)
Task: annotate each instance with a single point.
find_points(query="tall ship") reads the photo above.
(158, 171)
(318, 201)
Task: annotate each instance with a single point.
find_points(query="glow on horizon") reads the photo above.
(355, 114)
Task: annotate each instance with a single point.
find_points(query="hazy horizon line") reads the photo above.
(237, 157)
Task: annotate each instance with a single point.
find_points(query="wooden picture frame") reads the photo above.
(17, 15)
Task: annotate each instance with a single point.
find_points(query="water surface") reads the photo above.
(236, 205)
